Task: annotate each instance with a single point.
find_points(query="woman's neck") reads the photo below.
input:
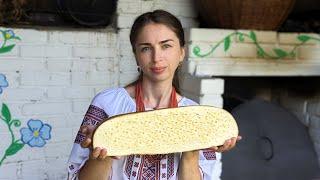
(156, 95)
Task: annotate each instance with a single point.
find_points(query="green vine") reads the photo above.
(16, 144)
(279, 53)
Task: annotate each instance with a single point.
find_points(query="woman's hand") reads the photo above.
(228, 144)
(96, 153)
(99, 163)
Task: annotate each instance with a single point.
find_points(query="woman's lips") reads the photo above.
(157, 70)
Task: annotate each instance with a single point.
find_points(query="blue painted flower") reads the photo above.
(2, 38)
(3, 82)
(36, 133)
(9, 34)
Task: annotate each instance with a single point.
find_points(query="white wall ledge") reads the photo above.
(225, 52)
(240, 67)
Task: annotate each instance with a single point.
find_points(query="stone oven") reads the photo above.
(276, 76)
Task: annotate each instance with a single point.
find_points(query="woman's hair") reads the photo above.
(159, 17)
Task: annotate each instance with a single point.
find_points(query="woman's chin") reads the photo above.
(159, 77)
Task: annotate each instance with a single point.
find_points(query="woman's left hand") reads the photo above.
(228, 144)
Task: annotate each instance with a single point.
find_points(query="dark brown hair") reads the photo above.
(159, 17)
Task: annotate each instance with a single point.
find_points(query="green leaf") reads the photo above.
(253, 36)
(280, 53)
(6, 113)
(16, 38)
(260, 53)
(14, 148)
(227, 43)
(292, 54)
(196, 50)
(303, 38)
(6, 48)
(241, 38)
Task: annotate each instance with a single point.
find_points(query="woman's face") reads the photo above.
(158, 52)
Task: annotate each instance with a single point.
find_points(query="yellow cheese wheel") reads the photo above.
(165, 131)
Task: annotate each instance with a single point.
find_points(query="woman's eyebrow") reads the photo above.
(164, 41)
(161, 42)
(144, 44)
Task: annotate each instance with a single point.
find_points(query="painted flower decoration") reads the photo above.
(2, 39)
(3, 82)
(9, 34)
(6, 40)
(36, 134)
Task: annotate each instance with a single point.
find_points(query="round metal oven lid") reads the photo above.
(275, 145)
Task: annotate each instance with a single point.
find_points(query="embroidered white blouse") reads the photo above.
(117, 101)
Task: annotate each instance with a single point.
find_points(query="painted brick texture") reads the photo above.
(53, 74)
(243, 53)
(222, 52)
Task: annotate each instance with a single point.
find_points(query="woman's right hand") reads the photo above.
(96, 153)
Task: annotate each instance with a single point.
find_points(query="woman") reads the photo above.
(157, 40)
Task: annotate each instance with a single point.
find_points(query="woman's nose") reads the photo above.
(157, 55)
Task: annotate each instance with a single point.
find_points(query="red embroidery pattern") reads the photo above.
(93, 117)
(79, 138)
(128, 166)
(170, 164)
(154, 158)
(209, 154)
(148, 171)
(163, 175)
(136, 164)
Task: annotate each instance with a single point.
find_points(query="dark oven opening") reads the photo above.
(279, 119)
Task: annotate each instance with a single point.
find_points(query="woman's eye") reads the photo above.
(165, 46)
(144, 49)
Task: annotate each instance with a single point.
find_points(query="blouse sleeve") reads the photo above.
(98, 110)
(207, 163)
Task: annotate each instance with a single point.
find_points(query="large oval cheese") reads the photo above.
(165, 131)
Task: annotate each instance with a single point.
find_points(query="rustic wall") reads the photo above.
(53, 73)
(245, 53)
(307, 109)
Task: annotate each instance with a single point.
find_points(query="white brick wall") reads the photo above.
(242, 60)
(53, 76)
(54, 73)
(203, 90)
(307, 111)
